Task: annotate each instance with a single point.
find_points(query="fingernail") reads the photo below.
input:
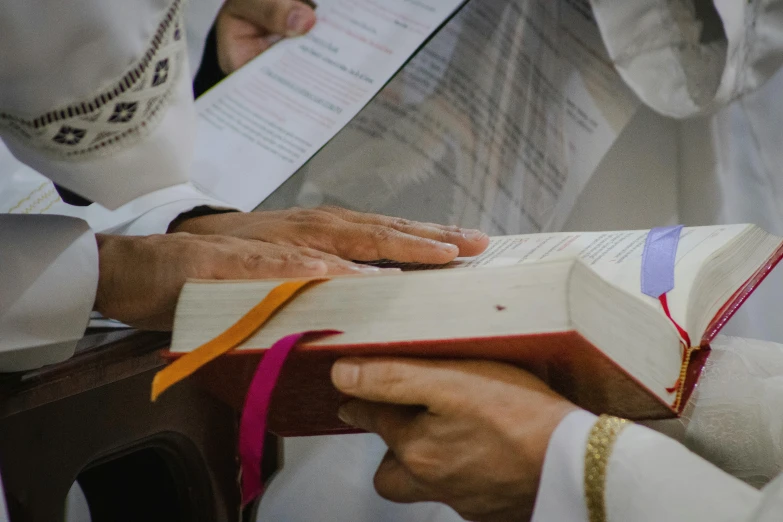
(273, 39)
(345, 414)
(474, 235)
(449, 247)
(368, 269)
(345, 375)
(299, 22)
(314, 264)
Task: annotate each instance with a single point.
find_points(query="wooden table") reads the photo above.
(91, 417)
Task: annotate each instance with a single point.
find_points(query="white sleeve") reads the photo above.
(48, 279)
(170, 204)
(25, 191)
(561, 490)
(662, 51)
(650, 477)
(149, 214)
(96, 95)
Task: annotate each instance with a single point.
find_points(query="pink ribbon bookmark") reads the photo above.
(252, 427)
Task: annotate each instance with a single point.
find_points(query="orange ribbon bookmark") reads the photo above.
(237, 333)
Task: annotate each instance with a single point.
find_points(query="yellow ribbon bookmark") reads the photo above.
(246, 326)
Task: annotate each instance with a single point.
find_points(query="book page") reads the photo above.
(263, 122)
(497, 123)
(615, 256)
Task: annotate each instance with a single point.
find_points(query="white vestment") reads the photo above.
(734, 422)
(96, 96)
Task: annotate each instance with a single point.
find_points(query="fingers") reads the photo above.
(281, 17)
(239, 41)
(246, 28)
(436, 385)
(393, 423)
(232, 258)
(346, 234)
(393, 481)
(251, 259)
(374, 242)
(399, 427)
(338, 266)
(468, 242)
(272, 17)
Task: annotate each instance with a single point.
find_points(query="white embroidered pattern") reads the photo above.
(118, 116)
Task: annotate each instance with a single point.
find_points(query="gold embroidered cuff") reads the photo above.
(599, 449)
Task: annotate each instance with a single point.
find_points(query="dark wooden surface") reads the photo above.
(91, 417)
(102, 357)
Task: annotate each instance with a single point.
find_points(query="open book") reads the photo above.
(567, 306)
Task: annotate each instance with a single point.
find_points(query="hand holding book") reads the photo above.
(464, 433)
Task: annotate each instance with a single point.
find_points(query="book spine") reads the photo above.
(693, 361)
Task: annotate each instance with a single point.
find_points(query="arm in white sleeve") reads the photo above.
(48, 280)
(650, 477)
(25, 191)
(660, 49)
(149, 214)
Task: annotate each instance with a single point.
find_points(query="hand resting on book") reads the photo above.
(344, 233)
(141, 277)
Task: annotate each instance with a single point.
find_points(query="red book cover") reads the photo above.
(306, 403)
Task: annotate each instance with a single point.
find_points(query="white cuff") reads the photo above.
(48, 279)
(650, 477)
(657, 47)
(561, 490)
(154, 213)
(150, 214)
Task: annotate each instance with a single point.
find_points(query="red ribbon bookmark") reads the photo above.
(252, 427)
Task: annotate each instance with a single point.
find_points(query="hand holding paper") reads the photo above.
(246, 28)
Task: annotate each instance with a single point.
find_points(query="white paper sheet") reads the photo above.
(497, 123)
(265, 121)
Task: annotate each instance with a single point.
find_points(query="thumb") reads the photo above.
(276, 17)
(412, 382)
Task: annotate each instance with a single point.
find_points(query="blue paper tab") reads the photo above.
(660, 253)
